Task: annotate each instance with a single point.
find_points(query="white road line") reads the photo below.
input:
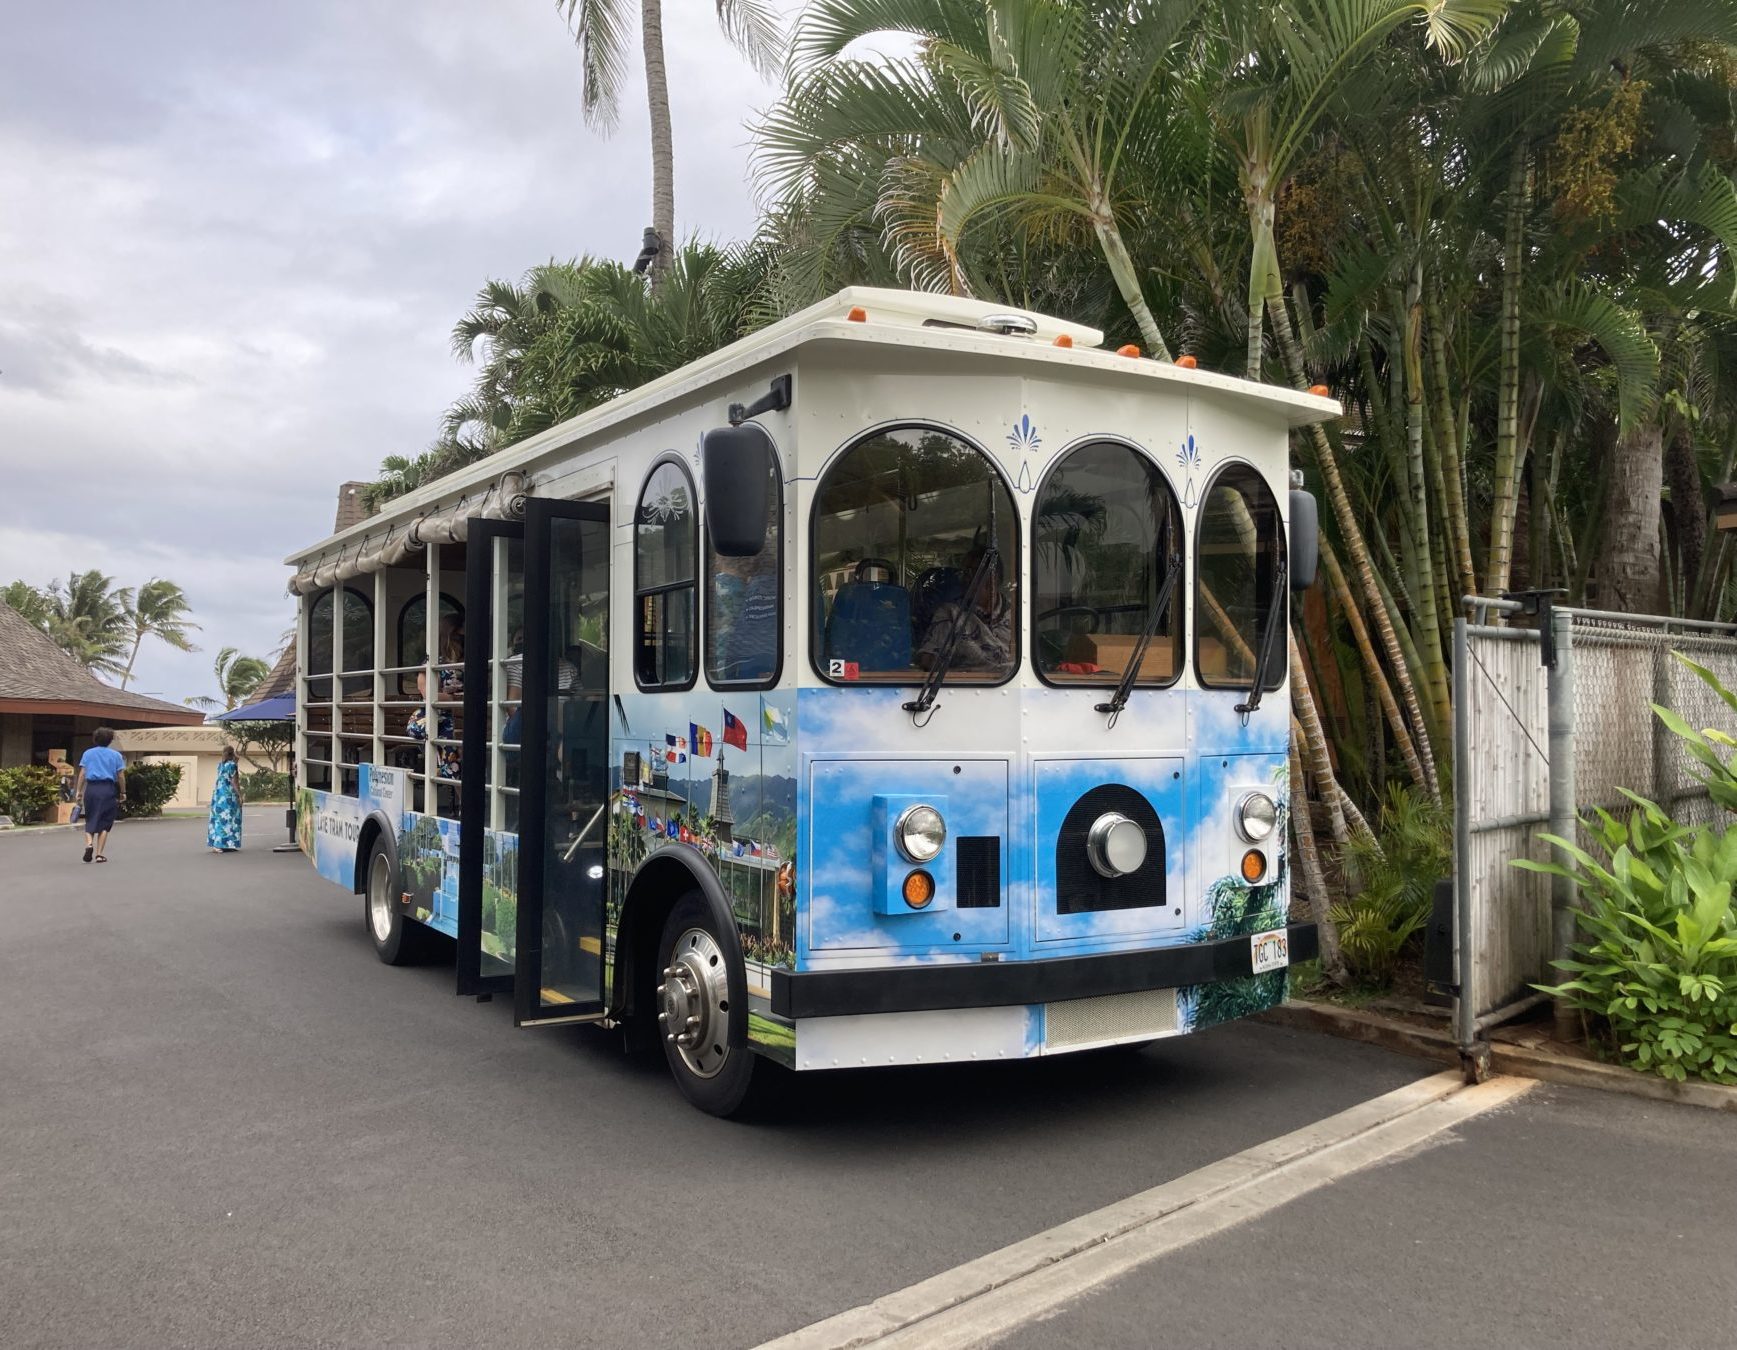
(987, 1298)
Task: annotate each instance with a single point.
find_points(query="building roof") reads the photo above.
(37, 674)
(280, 680)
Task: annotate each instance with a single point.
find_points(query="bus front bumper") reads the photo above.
(995, 984)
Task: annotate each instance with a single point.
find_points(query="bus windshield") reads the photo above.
(901, 524)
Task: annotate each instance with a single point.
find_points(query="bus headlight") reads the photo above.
(1255, 817)
(920, 832)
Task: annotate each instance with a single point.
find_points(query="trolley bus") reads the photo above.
(905, 683)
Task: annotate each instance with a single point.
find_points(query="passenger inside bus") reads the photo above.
(985, 622)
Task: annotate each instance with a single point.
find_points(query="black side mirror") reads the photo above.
(737, 464)
(1305, 539)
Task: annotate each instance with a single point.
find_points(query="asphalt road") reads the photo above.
(224, 1122)
(1568, 1220)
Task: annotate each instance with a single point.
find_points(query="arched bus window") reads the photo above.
(744, 605)
(665, 547)
(1239, 541)
(901, 529)
(413, 630)
(1099, 553)
(358, 652)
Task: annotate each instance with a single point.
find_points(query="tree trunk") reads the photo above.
(1127, 279)
(1428, 626)
(138, 640)
(1309, 864)
(1508, 388)
(1447, 456)
(662, 140)
(1629, 565)
(1373, 676)
(1688, 507)
(1315, 743)
(1361, 566)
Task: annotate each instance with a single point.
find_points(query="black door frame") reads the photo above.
(528, 1007)
(479, 600)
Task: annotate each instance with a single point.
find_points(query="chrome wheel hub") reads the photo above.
(694, 1002)
(380, 897)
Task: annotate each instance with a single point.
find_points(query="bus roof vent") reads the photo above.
(1009, 325)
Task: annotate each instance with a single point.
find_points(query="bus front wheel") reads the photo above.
(693, 1011)
(395, 942)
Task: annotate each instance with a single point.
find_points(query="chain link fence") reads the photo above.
(1552, 718)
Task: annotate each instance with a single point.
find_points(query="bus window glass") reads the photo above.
(412, 626)
(1098, 558)
(744, 604)
(1239, 542)
(901, 529)
(358, 650)
(665, 539)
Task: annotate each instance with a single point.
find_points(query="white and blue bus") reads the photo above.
(905, 683)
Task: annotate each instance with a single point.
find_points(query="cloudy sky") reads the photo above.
(234, 238)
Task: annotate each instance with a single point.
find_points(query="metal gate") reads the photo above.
(1551, 721)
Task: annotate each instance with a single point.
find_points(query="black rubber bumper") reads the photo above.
(996, 984)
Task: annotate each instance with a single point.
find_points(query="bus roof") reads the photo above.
(857, 313)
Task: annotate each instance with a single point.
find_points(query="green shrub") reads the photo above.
(1656, 966)
(1398, 872)
(265, 785)
(27, 791)
(150, 786)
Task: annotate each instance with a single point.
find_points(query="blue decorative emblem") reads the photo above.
(1189, 458)
(1024, 440)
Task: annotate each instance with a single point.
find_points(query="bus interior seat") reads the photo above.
(936, 586)
(870, 623)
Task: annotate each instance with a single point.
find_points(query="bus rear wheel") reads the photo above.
(693, 1011)
(396, 939)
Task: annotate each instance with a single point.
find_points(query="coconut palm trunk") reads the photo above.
(662, 135)
(1504, 490)
(1628, 568)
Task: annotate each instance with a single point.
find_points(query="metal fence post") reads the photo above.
(1564, 812)
(1466, 1004)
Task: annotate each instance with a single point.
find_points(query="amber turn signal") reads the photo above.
(1254, 866)
(1319, 391)
(1063, 340)
(857, 314)
(1187, 362)
(919, 889)
(1129, 350)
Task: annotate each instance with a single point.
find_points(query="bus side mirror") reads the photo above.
(737, 465)
(1305, 539)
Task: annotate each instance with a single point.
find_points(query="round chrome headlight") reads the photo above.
(1115, 845)
(1255, 816)
(920, 832)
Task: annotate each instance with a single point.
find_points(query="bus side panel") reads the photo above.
(329, 824)
(675, 779)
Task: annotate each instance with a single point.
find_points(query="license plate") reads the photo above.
(1270, 950)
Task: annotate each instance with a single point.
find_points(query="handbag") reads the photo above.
(77, 812)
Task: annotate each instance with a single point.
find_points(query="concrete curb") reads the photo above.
(32, 831)
(1526, 1061)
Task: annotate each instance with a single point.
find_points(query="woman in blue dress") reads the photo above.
(224, 833)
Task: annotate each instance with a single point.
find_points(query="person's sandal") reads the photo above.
(87, 853)
(100, 858)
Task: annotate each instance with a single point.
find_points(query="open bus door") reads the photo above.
(564, 777)
(488, 869)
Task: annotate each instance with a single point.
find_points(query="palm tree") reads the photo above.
(159, 610)
(28, 601)
(237, 676)
(88, 620)
(1031, 111)
(599, 27)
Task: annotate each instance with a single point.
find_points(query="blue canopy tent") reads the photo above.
(277, 708)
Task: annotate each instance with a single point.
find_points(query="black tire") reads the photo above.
(398, 941)
(713, 1074)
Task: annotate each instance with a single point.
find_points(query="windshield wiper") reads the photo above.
(931, 685)
(1269, 639)
(1160, 606)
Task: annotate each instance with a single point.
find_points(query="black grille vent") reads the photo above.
(1079, 887)
(979, 871)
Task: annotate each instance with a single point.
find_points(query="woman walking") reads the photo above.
(101, 788)
(223, 835)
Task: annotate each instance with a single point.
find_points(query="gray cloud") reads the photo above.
(235, 238)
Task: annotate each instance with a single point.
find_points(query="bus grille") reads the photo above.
(1111, 1017)
(979, 871)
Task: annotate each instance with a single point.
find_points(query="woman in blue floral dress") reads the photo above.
(224, 833)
